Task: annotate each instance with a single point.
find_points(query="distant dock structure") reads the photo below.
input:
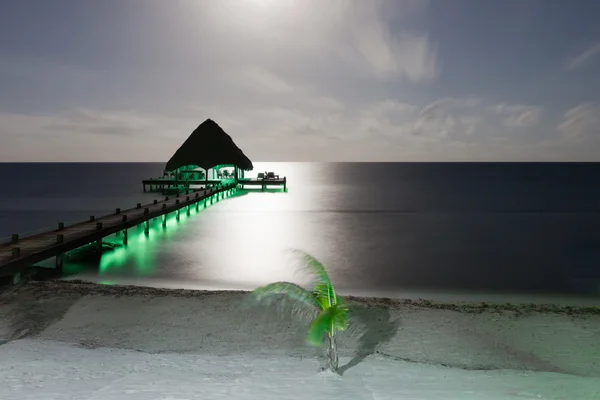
(186, 183)
(209, 157)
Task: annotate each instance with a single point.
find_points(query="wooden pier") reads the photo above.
(160, 184)
(264, 183)
(21, 253)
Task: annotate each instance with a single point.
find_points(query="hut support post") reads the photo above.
(147, 227)
(99, 246)
(164, 221)
(125, 237)
(177, 216)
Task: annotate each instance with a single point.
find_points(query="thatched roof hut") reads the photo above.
(209, 147)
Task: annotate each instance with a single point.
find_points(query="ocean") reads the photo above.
(518, 228)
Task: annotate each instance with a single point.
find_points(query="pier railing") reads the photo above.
(25, 234)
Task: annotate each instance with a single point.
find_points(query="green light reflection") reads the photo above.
(140, 249)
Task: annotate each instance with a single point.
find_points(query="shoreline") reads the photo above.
(50, 288)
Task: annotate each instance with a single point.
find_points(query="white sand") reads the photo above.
(156, 344)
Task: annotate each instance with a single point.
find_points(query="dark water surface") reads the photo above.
(392, 227)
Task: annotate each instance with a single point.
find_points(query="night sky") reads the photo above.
(291, 80)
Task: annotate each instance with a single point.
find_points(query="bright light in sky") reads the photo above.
(301, 80)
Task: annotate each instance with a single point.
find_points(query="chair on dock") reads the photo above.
(271, 175)
(260, 176)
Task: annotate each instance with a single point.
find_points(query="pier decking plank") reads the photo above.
(46, 245)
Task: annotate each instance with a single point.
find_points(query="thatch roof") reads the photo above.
(207, 147)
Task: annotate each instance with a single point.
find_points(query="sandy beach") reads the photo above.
(77, 340)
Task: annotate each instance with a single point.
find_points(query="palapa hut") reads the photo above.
(208, 147)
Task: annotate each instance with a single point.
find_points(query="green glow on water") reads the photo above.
(140, 250)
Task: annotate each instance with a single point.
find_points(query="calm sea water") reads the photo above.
(389, 227)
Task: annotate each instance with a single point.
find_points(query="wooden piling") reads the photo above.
(59, 262)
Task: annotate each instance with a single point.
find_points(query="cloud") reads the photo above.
(407, 57)
(518, 115)
(354, 36)
(90, 135)
(264, 80)
(309, 127)
(99, 122)
(581, 122)
(450, 120)
(583, 58)
(376, 50)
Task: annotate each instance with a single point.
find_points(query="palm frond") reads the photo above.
(340, 319)
(330, 319)
(293, 291)
(323, 289)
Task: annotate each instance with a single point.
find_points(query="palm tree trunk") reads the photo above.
(332, 356)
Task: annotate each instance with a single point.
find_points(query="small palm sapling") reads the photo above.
(332, 313)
